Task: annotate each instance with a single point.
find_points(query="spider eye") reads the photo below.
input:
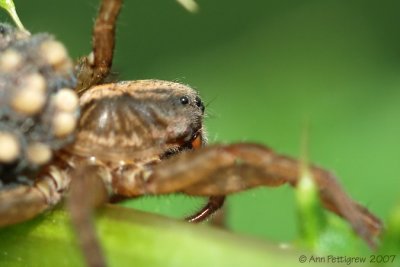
(184, 100)
(199, 103)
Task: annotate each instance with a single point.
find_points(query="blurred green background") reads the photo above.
(264, 68)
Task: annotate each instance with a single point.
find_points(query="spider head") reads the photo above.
(137, 119)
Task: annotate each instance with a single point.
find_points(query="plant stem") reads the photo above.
(9, 6)
(134, 238)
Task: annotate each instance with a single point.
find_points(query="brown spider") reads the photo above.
(147, 137)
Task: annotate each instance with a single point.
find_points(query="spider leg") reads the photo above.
(219, 219)
(20, 204)
(95, 67)
(23, 202)
(81, 203)
(225, 169)
(214, 203)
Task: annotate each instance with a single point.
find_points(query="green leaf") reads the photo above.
(133, 238)
(312, 220)
(320, 231)
(189, 5)
(391, 237)
(9, 6)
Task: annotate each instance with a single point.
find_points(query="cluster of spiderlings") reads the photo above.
(38, 107)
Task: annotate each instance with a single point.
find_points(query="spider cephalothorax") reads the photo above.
(132, 139)
(128, 120)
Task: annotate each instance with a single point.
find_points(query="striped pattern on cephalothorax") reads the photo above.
(136, 120)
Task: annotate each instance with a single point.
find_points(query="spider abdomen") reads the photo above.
(38, 108)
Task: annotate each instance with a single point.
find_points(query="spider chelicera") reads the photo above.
(132, 138)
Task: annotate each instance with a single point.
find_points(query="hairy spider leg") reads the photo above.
(20, 203)
(87, 192)
(24, 202)
(96, 66)
(220, 170)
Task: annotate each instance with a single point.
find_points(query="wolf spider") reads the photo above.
(146, 137)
